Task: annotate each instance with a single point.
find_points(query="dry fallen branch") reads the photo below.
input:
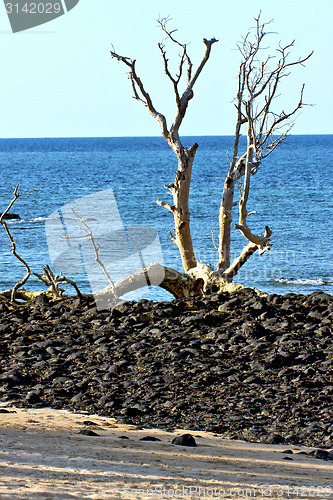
(264, 127)
(53, 281)
(176, 283)
(3, 222)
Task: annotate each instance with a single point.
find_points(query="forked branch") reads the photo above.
(259, 81)
(180, 188)
(182, 100)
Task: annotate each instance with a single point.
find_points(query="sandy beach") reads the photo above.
(43, 456)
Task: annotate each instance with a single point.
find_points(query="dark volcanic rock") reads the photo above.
(150, 438)
(87, 432)
(321, 454)
(10, 216)
(184, 440)
(275, 439)
(245, 366)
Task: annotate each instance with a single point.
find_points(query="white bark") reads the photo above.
(257, 88)
(178, 284)
(20, 284)
(180, 188)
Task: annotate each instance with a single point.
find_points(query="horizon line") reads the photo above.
(139, 136)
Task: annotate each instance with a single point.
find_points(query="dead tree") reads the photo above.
(265, 129)
(259, 81)
(258, 85)
(180, 188)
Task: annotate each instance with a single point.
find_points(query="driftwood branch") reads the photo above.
(65, 279)
(22, 294)
(53, 281)
(174, 282)
(3, 222)
(50, 280)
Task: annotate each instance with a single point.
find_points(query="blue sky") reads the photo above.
(58, 79)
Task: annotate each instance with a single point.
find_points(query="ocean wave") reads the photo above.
(37, 219)
(22, 221)
(304, 281)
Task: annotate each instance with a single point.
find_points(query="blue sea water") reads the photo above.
(292, 193)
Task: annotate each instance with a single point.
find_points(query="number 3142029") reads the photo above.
(33, 8)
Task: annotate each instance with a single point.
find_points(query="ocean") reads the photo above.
(292, 193)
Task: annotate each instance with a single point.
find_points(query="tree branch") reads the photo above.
(180, 188)
(247, 252)
(18, 285)
(168, 206)
(259, 240)
(138, 85)
(178, 284)
(89, 235)
(188, 93)
(51, 280)
(258, 85)
(163, 24)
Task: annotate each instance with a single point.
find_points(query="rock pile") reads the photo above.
(249, 367)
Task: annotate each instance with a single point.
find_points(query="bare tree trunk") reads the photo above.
(225, 220)
(180, 191)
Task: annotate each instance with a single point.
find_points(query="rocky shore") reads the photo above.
(250, 367)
